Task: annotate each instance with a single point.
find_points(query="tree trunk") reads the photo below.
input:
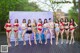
(74, 1)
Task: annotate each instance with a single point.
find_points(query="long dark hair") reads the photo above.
(40, 20)
(8, 21)
(16, 20)
(35, 22)
(72, 21)
(66, 19)
(29, 21)
(45, 21)
(24, 21)
(61, 20)
(57, 21)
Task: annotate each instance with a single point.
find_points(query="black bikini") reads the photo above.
(66, 25)
(29, 31)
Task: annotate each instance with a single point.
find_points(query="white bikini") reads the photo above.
(57, 29)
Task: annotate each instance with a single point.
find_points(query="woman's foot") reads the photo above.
(61, 42)
(9, 45)
(30, 44)
(66, 42)
(16, 44)
(70, 42)
(46, 42)
(51, 42)
(73, 42)
(35, 42)
(56, 43)
(24, 43)
(41, 42)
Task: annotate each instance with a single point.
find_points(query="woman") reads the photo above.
(51, 29)
(57, 30)
(16, 26)
(66, 27)
(29, 31)
(8, 28)
(61, 29)
(24, 27)
(39, 28)
(72, 25)
(34, 29)
(45, 29)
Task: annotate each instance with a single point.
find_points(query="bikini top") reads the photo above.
(61, 23)
(16, 25)
(56, 24)
(51, 24)
(33, 25)
(8, 25)
(66, 24)
(29, 25)
(46, 25)
(23, 24)
(71, 24)
(39, 24)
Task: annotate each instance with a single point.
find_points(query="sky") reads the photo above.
(65, 7)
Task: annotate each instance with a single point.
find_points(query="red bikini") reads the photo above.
(8, 25)
(71, 24)
(62, 24)
(16, 25)
(41, 26)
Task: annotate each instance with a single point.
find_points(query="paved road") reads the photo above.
(42, 48)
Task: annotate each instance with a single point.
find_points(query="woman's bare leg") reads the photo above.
(67, 36)
(51, 32)
(8, 39)
(57, 34)
(29, 39)
(35, 38)
(23, 37)
(40, 40)
(16, 38)
(46, 36)
(62, 36)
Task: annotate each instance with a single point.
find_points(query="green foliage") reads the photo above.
(73, 13)
(14, 5)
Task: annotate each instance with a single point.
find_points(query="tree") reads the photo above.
(73, 13)
(14, 5)
(79, 14)
(52, 6)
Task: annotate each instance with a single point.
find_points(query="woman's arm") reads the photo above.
(5, 26)
(75, 24)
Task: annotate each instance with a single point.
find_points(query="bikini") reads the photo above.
(57, 29)
(7, 25)
(46, 27)
(34, 27)
(24, 25)
(39, 25)
(29, 31)
(66, 25)
(71, 24)
(62, 24)
(16, 25)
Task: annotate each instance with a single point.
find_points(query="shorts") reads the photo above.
(29, 31)
(57, 29)
(44, 29)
